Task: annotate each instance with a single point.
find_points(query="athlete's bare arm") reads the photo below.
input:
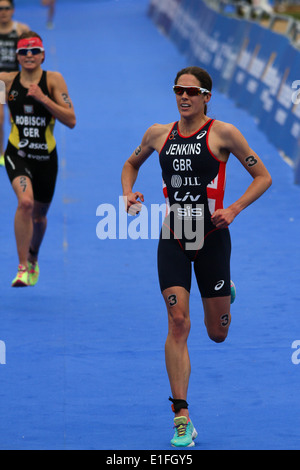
(8, 78)
(153, 140)
(234, 142)
(60, 105)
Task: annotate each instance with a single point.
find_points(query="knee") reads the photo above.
(218, 336)
(218, 327)
(26, 205)
(179, 324)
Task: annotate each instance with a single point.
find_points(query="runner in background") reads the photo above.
(51, 11)
(10, 31)
(36, 99)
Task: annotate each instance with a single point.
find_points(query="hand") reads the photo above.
(132, 205)
(221, 218)
(36, 92)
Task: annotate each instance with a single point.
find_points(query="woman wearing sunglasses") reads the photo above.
(36, 98)
(10, 31)
(193, 155)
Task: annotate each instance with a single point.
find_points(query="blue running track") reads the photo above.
(85, 347)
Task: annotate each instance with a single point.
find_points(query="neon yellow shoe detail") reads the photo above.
(2, 162)
(34, 272)
(185, 433)
(22, 277)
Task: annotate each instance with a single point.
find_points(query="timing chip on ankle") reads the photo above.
(178, 404)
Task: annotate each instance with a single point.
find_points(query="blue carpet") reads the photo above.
(85, 347)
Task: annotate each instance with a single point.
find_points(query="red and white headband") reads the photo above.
(30, 43)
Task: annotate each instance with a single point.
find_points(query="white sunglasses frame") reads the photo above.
(202, 90)
(29, 48)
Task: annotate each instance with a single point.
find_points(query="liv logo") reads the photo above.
(2, 353)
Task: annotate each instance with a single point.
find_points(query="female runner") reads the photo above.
(36, 98)
(193, 154)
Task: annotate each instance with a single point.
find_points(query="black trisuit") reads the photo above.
(8, 46)
(194, 184)
(31, 149)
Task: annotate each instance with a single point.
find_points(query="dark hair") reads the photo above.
(202, 76)
(11, 2)
(28, 35)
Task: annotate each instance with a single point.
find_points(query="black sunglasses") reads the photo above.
(5, 8)
(34, 51)
(190, 90)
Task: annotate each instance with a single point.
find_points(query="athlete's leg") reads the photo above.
(23, 218)
(217, 317)
(51, 5)
(39, 228)
(212, 270)
(176, 350)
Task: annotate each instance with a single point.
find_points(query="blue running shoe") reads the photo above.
(185, 433)
(233, 292)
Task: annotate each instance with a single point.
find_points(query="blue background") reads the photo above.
(85, 347)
